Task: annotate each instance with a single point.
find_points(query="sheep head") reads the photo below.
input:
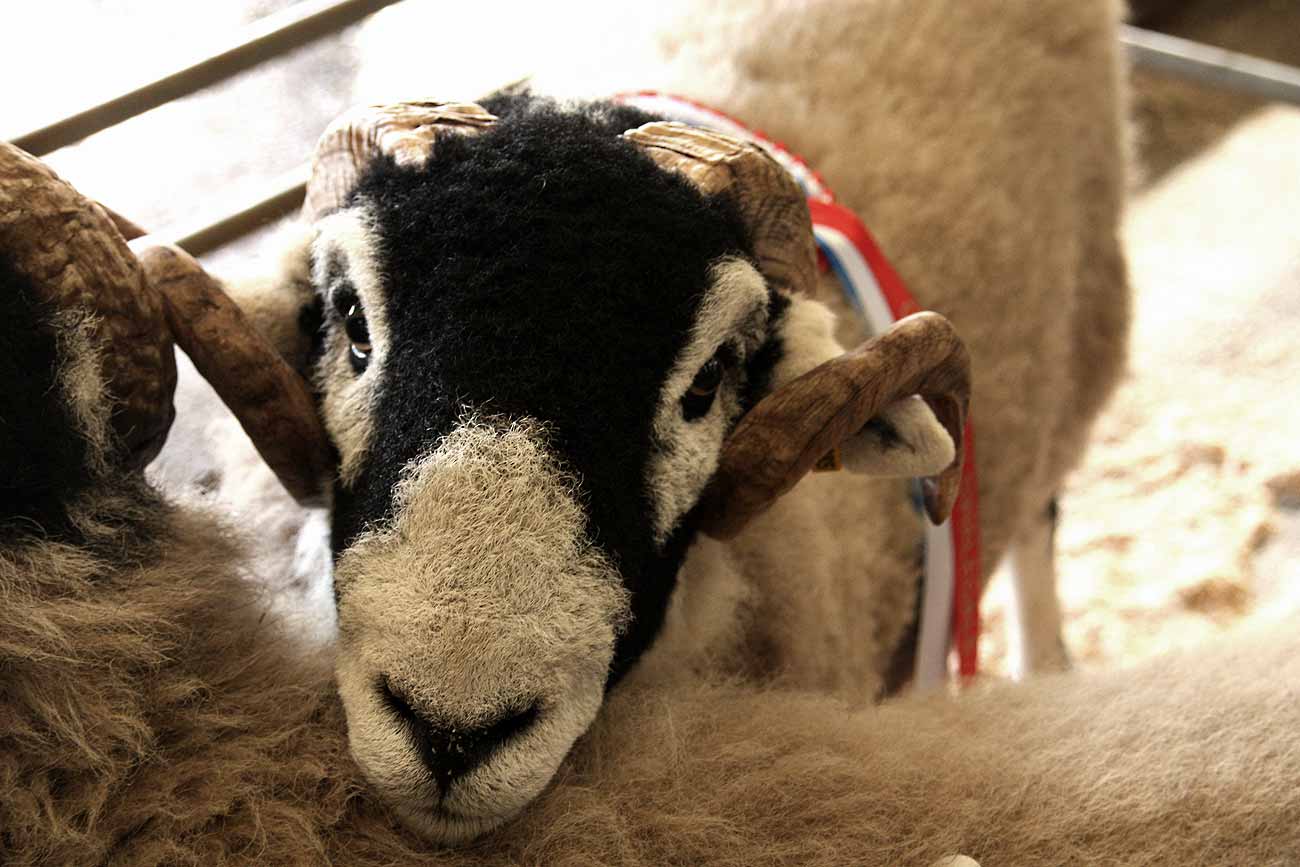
(558, 344)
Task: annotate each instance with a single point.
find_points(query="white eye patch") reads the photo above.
(734, 314)
(344, 257)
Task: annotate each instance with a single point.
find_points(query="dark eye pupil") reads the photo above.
(355, 326)
(698, 399)
(708, 379)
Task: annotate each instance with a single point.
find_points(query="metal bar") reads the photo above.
(1217, 67)
(129, 228)
(268, 37)
(277, 199)
(204, 234)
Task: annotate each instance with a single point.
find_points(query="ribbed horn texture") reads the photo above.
(142, 305)
(777, 442)
(404, 130)
(782, 438)
(272, 402)
(771, 203)
(69, 248)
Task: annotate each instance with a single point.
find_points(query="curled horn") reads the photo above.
(69, 249)
(790, 430)
(404, 130)
(770, 202)
(73, 252)
(272, 401)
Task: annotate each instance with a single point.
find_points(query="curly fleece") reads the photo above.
(151, 716)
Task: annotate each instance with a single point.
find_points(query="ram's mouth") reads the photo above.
(449, 827)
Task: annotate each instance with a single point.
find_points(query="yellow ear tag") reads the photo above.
(829, 462)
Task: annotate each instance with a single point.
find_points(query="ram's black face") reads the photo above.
(534, 346)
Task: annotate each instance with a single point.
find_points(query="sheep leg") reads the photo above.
(1037, 646)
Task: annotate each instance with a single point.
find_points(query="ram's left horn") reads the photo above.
(792, 429)
(784, 436)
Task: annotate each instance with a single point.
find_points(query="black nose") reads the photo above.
(451, 751)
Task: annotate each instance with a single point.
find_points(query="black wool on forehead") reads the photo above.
(545, 268)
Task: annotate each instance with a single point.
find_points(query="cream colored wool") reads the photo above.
(152, 716)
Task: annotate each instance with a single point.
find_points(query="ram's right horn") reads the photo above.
(788, 432)
(137, 305)
(70, 250)
(269, 398)
(770, 202)
(404, 131)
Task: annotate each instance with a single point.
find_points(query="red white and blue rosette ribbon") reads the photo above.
(949, 610)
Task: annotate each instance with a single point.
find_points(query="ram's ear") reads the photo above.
(275, 293)
(905, 440)
(805, 421)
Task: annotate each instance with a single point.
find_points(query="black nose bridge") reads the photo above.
(449, 750)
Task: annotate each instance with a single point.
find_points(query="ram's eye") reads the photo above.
(698, 399)
(354, 324)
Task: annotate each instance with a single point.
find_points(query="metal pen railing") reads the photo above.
(1216, 67)
(309, 20)
(264, 39)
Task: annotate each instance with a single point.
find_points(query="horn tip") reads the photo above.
(940, 497)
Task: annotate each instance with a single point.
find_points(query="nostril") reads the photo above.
(398, 705)
(511, 724)
(450, 751)
(454, 751)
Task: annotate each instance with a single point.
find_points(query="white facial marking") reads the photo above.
(807, 339)
(733, 312)
(349, 240)
(483, 595)
(82, 380)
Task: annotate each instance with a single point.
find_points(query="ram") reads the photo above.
(566, 357)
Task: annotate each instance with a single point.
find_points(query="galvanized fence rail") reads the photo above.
(1216, 67)
(309, 20)
(264, 39)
